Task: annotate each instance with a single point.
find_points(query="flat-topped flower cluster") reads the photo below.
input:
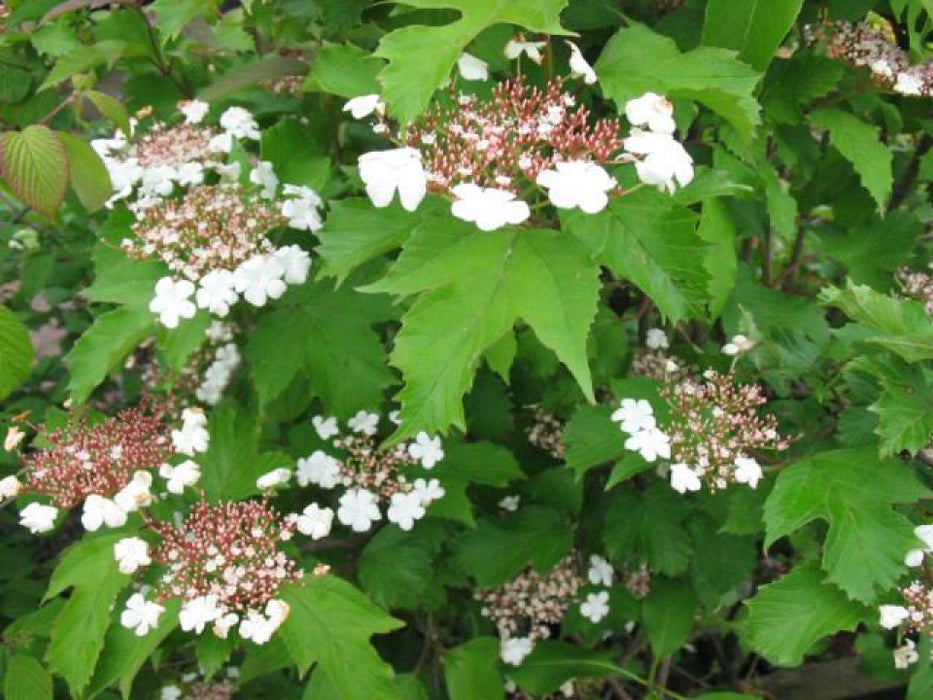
(863, 46)
(713, 435)
(914, 616)
(495, 157)
(204, 218)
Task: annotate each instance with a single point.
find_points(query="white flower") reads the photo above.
(37, 517)
(14, 436)
(260, 279)
(364, 422)
(426, 449)
(319, 468)
(140, 614)
(596, 606)
(472, 68)
(577, 183)
(295, 261)
(892, 616)
(277, 611)
(358, 509)
(135, 494)
(908, 84)
(131, 553)
(172, 301)
(579, 68)
(405, 509)
(190, 174)
(229, 172)
(363, 106)
(264, 176)
(384, 172)
(429, 491)
(600, 572)
(194, 110)
(665, 163)
(198, 612)
(277, 477)
(224, 623)
(653, 111)
(634, 415)
(158, 180)
(513, 650)
(656, 339)
(683, 478)
(223, 143)
(185, 474)
(737, 345)
(325, 428)
(515, 48)
(216, 292)
(914, 558)
(105, 148)
(302, 208)
(315, 521)
(906, 655)
(881, 67)
(101, 511)
(510, 503)
(10, 487)
(171, 692)
(489, 208)
(193, 436)
(256, 627)
(239, 123)
(747, 471)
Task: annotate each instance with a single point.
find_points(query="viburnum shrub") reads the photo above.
(466, 349)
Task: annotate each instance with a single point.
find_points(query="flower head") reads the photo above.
(655, 112)
(358, 509)
(663, 162)
(517, 46)
(634, 415)
(239, 123)
(172, 301)
(579, 184)
(513, 650)
(260, 279)
(216, 292)
(595, 607)
(37, 517)
(600, 572)
(188, 473)
(319, 468)
(426, 449)
(314, 521)
(131, 553)
(141, 615)
(405, 509)
(651, 443)
(398, 169)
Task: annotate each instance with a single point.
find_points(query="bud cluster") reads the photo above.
(526, 608)
(917, 285)
(546, 432)
(862, 45)
(715, 429)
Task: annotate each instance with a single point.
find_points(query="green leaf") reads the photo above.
(356, 232)
(82, 60)
(902, 326)
(592, 439)
(103, 346)
(873, 252)
(241, 76)
(395, 567)
(648, 238)
(754, 28)
(26, 679)
(471, 670)
(667, 614)
(90, 571)
(178, 344)
(289, 146)
(347, 71)
(89, 177)
(720, 561)
(420, 58)
(16, 352)
(475, 286)
(125, 653)
(717, 229)
(852, 490)
(233, 462)
(711, 76)
(647, 527)
(859, 143)
(326, 336)
(498, 549)
(552, 663)
(110, 107)
(330, 624)
(470, 463)
(789, 616)
(174, 15)
(34, 163)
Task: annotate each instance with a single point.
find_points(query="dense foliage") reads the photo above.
(464, 349)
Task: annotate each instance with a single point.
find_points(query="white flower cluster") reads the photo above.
(660, 160)
(218, 374)
(596, 605)
(367, 474)
(191, 439)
